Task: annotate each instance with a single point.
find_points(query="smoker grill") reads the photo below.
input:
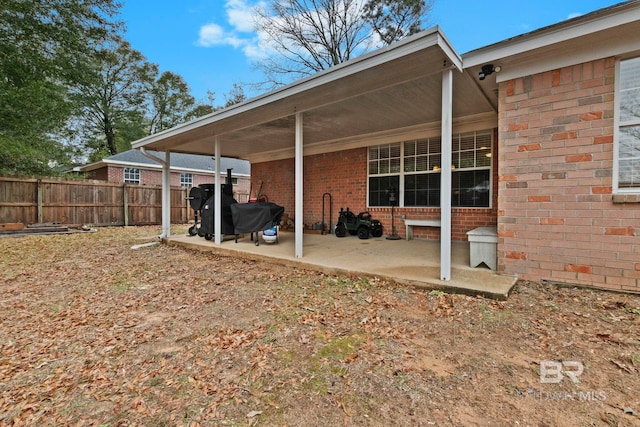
(201, 199)
(236, 217)
(197, 198)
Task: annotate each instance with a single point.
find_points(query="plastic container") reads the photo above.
(270, 235)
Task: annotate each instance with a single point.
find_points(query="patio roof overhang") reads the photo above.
(412, 88)
(390, 92)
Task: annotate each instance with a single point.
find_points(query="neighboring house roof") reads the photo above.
(179, 162)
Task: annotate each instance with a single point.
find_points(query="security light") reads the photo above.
(487, 70)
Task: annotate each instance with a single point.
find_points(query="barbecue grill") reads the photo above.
(197, 198)
(201, 199)
(237, 217)
(255, 217)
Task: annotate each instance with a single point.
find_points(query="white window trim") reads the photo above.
(182, 181)
(124, 176)
(616, 136)
(401, 174)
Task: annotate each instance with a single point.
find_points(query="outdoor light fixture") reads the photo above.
(487, 70)
(393, 201)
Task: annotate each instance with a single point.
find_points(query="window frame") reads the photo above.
(402, 172)
(186, 183)
(128, 173)
(617, 126)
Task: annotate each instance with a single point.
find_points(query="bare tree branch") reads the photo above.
(303, 37)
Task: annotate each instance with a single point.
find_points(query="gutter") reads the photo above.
(152, 157)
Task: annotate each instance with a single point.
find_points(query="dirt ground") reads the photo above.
(93, 332)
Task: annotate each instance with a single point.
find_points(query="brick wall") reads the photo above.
(149, 177)
(101, 174)
(115, 174)
(556, 219)
(344, 175)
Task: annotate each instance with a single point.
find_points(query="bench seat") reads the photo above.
(410, 223)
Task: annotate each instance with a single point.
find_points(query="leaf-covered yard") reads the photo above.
(93, 332)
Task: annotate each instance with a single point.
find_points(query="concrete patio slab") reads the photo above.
(414, 262)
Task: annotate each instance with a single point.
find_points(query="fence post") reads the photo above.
(40, 215)
(125, 204)
(186, 206)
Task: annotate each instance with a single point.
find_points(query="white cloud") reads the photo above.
(574, 15)
(237, 32)
(241, 15)
(210, 35)
(254, 51)
(214, 35)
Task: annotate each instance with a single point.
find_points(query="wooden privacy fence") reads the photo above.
(97, 203)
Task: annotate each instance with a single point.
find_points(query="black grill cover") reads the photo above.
(208, 217)
(253, 217)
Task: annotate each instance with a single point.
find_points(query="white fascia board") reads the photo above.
(423, 40)
(172, 168)
(608, 19)
(92, 166)
(131, 164)
(575, 56)
(449, 51)
(208, 172)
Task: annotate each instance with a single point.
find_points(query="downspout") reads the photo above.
(166, 190)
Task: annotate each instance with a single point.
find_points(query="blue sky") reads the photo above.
(210, 43)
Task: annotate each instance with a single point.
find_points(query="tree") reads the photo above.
(393, 20)
(114, 97)
(44, 48)
(171, 102)
(307, 36)
(235, 96)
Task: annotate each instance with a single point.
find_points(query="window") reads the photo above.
(628, 131)
(186, 180)
(412, 169)
(132, 175)
(384, 166)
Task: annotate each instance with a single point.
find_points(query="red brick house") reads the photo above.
(538, 136)
(187, 170)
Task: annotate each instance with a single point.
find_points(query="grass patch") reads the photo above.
(123, 285)
(340, 348)
(329, 364)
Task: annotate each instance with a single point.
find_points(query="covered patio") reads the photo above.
(415, 86)
(412, 262)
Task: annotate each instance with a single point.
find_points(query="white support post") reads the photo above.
(299, 219)
(166, 195)
(217, 205)
(445, 177)
(166, 190)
